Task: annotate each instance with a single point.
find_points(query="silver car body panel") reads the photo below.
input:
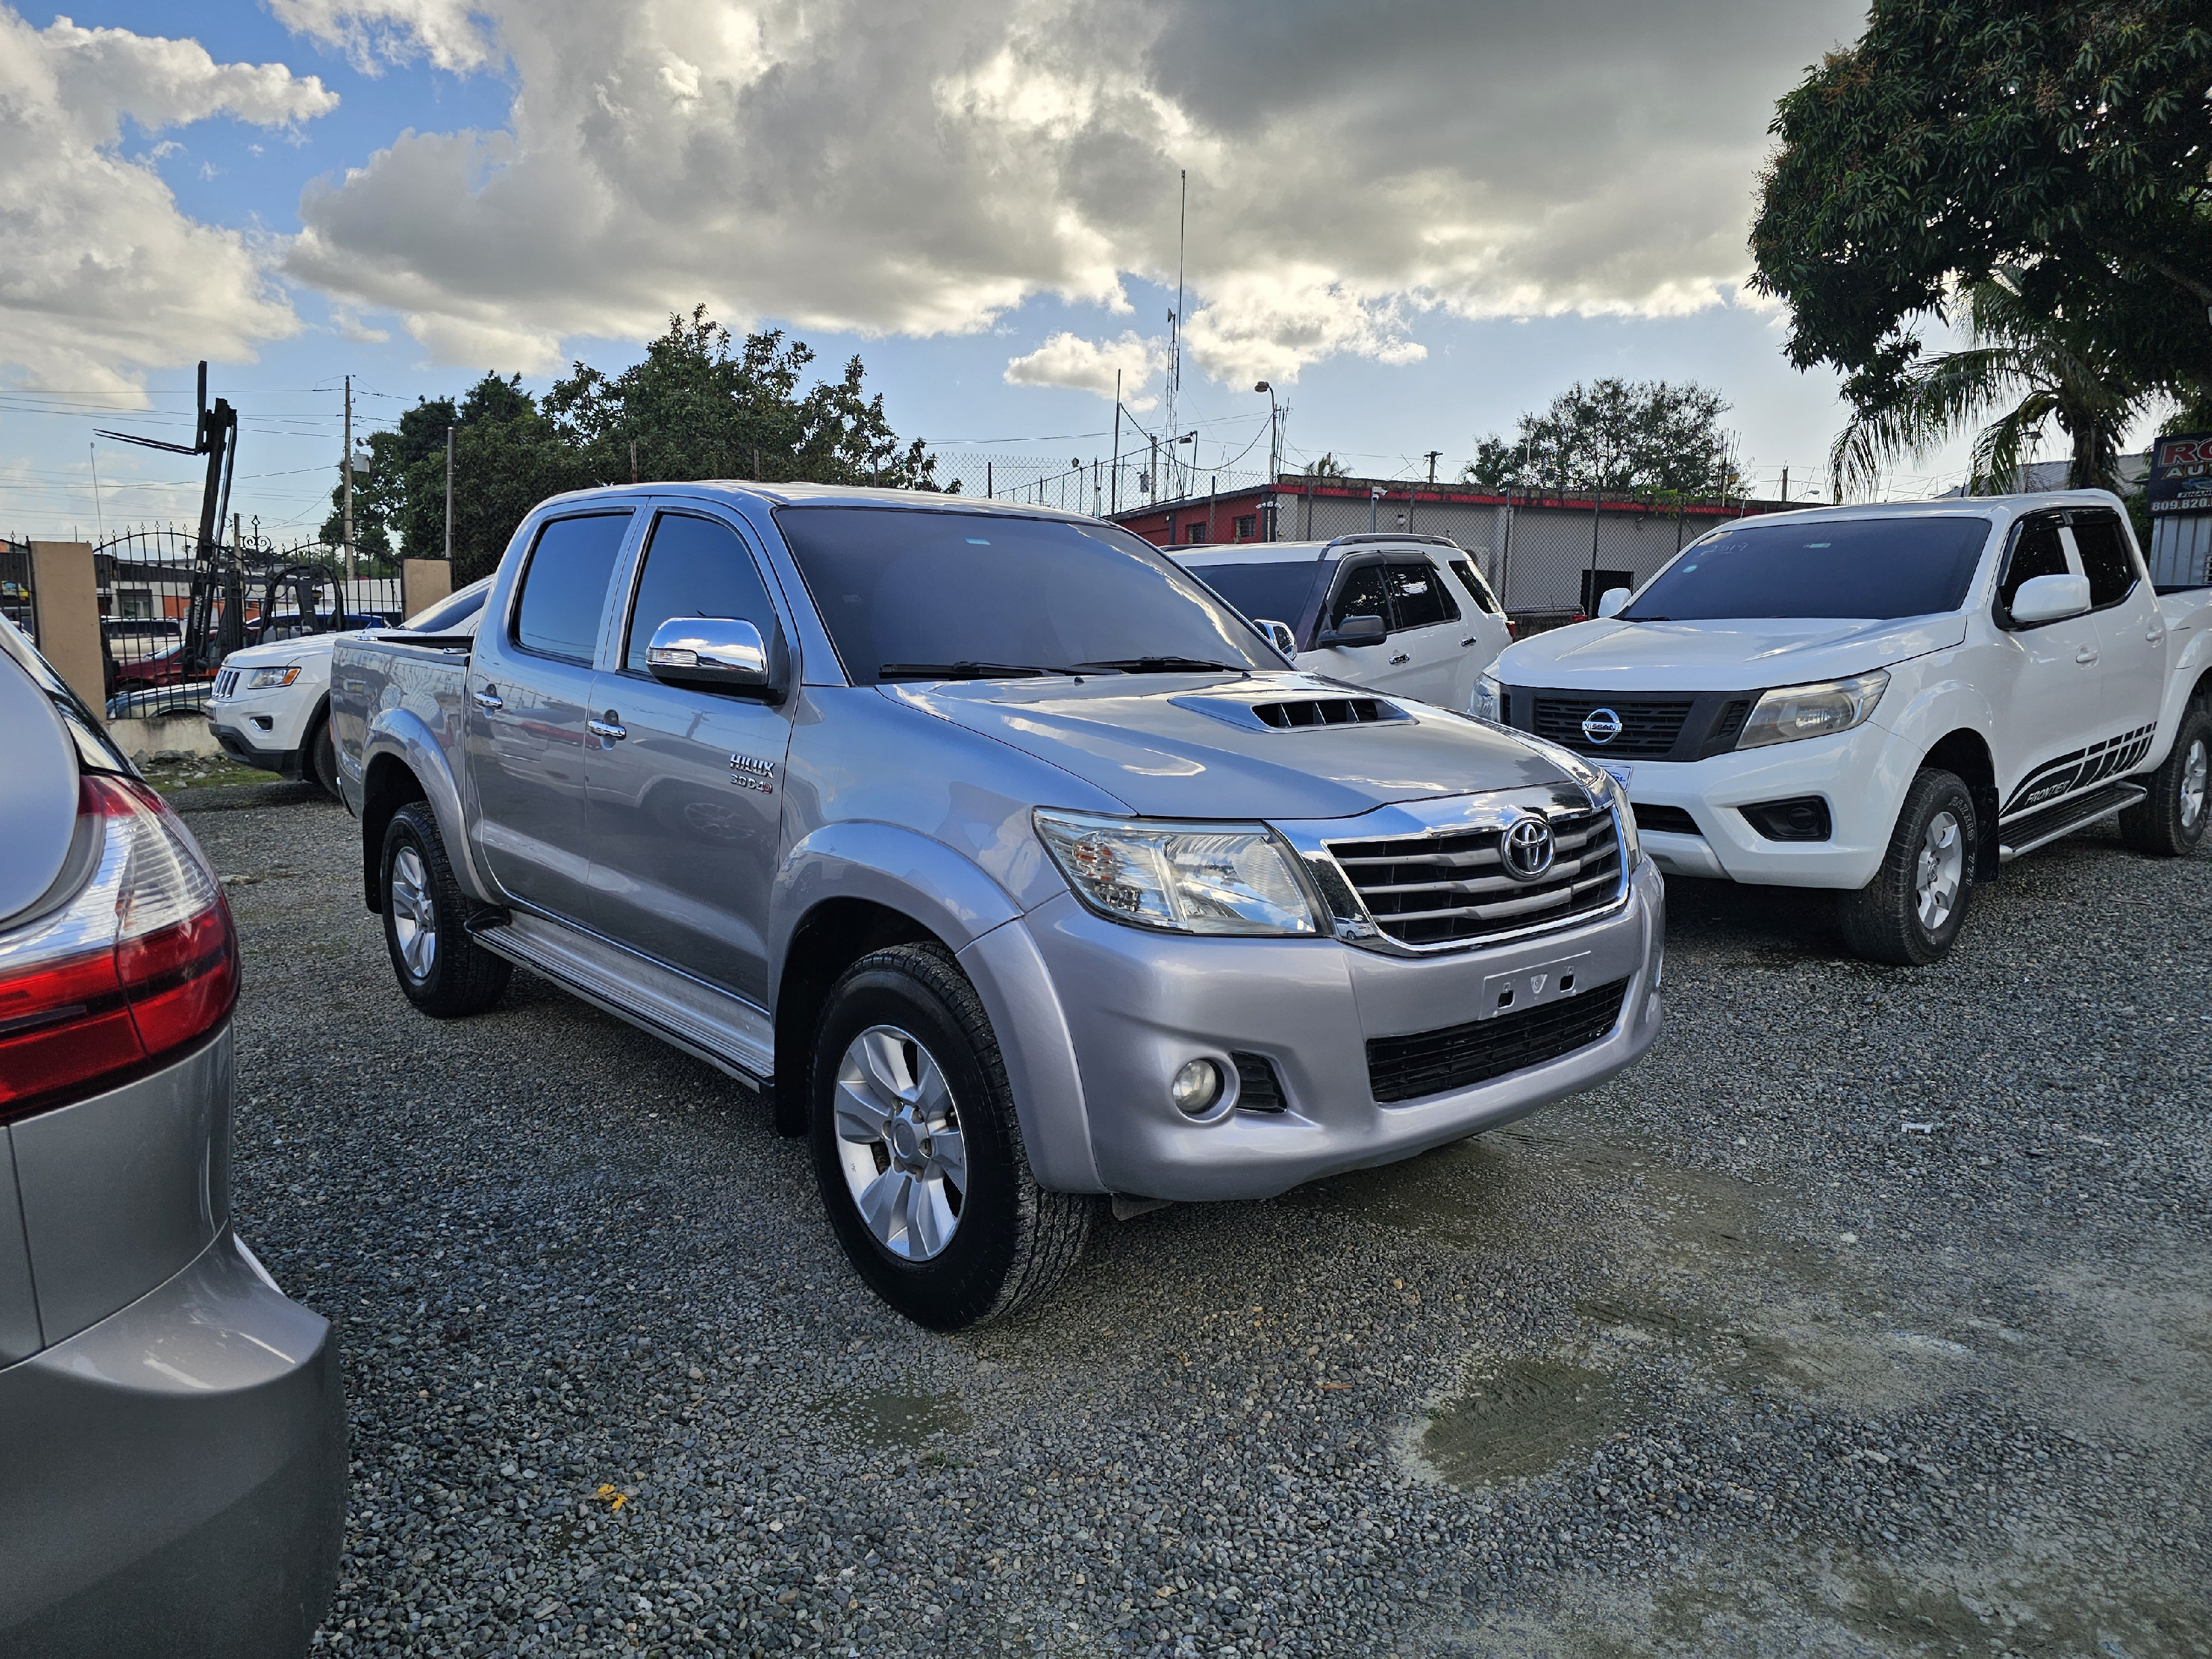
(918, 798)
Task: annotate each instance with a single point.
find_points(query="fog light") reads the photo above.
(1196, 1086)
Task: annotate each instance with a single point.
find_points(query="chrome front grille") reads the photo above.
(225, 683)
(1451, 887)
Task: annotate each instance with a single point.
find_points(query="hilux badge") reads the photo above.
(749, 773)
(1526, 849)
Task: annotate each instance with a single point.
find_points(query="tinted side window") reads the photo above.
(694, 568)
(2036, 551)
(1364, 594)
(1418, 592)
(1477, 589)
(2105, 560)
(564, 589)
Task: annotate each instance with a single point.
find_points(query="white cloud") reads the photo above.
(1068, 360)
(923, 168)
(99, 272)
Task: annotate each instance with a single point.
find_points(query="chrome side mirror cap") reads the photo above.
(1357, 631)
(1278, 634)
(1612, 602)
(724, 654)
(2049, 599)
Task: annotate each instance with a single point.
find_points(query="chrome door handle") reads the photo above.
(488, 698)
(606, 728)
(2086, 655)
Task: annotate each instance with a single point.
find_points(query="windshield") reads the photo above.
(1277, 590)
(904, 593)
(1862, 569)
(449, 613)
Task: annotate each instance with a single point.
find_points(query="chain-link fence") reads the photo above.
(169, 617)
(1096, 483)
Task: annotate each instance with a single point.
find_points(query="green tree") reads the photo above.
(508, 455)
(2063, 145)
(1628, 437)
(1327, 467)
(380, 495)
(2018, 367)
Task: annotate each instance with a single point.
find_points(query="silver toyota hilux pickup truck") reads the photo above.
(1018, 869)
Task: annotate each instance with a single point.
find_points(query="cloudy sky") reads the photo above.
(1416, 219)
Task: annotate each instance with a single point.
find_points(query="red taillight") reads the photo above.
(140, 963)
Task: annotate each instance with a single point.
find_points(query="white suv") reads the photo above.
(1439, 624)
(271, 708)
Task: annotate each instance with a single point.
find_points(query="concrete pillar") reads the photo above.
(423, 583)
(65, 599)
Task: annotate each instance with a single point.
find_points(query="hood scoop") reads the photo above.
(1294, 713)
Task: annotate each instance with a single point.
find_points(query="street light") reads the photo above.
(1274, 436)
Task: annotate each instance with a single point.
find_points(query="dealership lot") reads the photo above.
(1869, 1315)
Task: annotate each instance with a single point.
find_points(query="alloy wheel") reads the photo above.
(414, 915)
(900, 1143)
(2194, 766)
(1941, 869)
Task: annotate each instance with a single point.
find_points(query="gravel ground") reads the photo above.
(1868, 1316)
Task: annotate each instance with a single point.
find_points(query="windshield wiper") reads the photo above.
(965, 671)
(1165, 666)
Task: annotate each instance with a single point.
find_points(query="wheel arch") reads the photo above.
(388, 784)
(1965, 752)
(831, 936)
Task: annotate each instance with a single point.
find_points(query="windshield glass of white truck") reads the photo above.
(1869, 568)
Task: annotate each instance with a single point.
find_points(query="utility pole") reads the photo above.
(1785, 486)
(1114, 484)
(99, 518)
(1274, 464)
(1152, 477)
(1431, 457)
(1174, 318)
(347, 467)
(449, 497)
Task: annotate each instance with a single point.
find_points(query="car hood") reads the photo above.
(1177, 745)
(1719, 656)
(282, 654)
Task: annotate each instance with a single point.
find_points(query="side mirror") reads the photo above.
(2049, 599)
(1357, 630)
(1278, 634)
(714, 653)
(1612, 602)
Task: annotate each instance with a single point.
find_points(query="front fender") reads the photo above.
(404, 735)
(901, 869)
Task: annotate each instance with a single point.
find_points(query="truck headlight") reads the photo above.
(268, 679)
(1792, 712)
(1184, 877)
(1489, 699)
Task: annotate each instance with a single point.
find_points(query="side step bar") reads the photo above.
(2052, 822)
(727, 1033)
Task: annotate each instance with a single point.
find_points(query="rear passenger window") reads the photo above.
(2105, 560)
(2036, 551)
(1417, 591)
(1477, 589)
(1362, 595)
(694, 568)
(564, 587)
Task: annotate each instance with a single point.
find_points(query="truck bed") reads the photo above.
(422, 676)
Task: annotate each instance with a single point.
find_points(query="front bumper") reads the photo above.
(241, 747)
(1861, 775)
(1131, 1006)
(180, 1474)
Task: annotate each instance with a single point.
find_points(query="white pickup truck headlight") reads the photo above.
(1184, 877)
(1811, 711)
(1489, 697)
(269, 679)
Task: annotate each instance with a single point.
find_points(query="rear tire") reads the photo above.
(2170, 823)
(1912, 911)
(917, 1153)
(443, 971)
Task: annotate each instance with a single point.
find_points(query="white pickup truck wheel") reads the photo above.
(1913, 909)
(916, 1150)
(2170, 823)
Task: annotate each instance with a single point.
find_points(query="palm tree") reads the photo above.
(2024, 368)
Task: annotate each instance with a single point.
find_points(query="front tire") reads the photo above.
(1912, 911)
(443, 971)
(322, 759)
(917, 1153)
(2171, 823)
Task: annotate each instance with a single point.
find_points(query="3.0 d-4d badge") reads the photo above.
(750, 773)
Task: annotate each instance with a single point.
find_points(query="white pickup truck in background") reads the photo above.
(1890, 701)
(269, 706)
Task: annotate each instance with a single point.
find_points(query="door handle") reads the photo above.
(1401, 659)
(1471, 639)
(2154, 633)
(2086, 655)
(489, 698)
(607, 728)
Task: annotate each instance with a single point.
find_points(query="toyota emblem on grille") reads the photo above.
(1526, 850)
(1600, 725)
